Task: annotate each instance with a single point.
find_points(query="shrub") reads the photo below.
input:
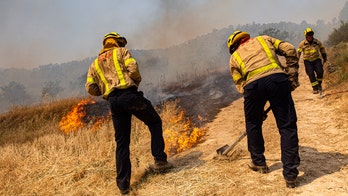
(338, 35)
(337, 67)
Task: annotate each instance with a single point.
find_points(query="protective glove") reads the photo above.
(324, 57)
(293, 79)
(93, 89)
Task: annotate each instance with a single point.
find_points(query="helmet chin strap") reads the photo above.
(234, 47)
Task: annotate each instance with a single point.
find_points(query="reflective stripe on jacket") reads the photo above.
(311, 52)
(113, 69)
(257, 58)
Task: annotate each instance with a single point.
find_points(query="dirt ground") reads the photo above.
(323, 138)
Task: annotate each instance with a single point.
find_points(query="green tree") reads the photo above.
(338, 35)
(51, 89)
(14, 93)
(282, 35)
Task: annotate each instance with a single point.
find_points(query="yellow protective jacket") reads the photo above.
(257, 58)
(311, 52)
(114, 68)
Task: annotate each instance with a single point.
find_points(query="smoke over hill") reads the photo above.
(159, 67)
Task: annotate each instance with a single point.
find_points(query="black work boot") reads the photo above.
(124, 191)
(290, 183)
(161, 166)
(315, 89)
(262, 169)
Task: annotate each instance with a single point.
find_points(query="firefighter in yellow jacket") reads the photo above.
(312, 48)
(114, 74)
(260, 77)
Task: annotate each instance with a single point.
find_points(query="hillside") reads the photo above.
(158, 66)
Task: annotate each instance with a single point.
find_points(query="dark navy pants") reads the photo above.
(125, 103)
(315, 72)
(275, 89)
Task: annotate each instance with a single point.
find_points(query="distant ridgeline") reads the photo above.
(159, 67)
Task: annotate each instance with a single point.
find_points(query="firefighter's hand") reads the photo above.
(94, 90)
(324, 57)
(294, 82)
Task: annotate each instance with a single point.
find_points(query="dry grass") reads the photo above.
(59, 164)
(336, 70)
(40, 159)
(24, 123)
(83, 162)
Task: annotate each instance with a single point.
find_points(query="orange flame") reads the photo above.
(75, 119)
(180, 138)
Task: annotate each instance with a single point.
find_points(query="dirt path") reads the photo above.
(323, 134)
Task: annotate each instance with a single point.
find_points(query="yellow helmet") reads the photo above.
(234, 38)
(308, 31)
(120, 40)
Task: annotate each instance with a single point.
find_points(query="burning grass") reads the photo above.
(83, 115)
(180, 133)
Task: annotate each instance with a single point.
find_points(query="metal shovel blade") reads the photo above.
(222, 149)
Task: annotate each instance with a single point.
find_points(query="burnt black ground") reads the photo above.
(201, 98)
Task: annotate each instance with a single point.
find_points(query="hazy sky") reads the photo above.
(39, 32)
